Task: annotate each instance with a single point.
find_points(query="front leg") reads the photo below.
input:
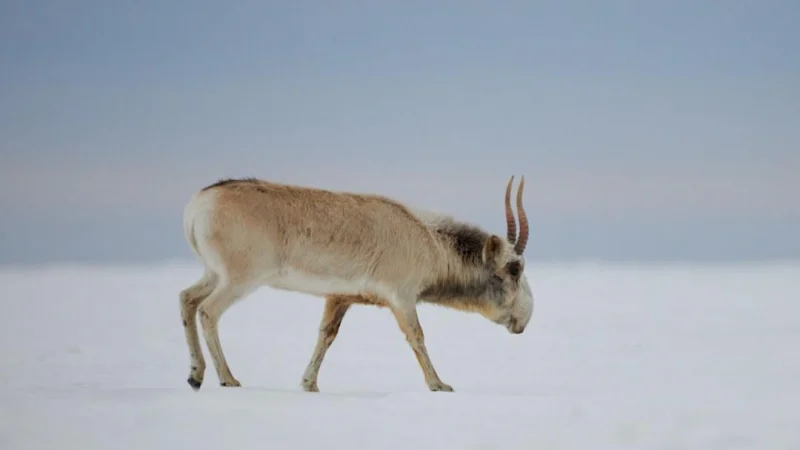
(335, 308)
(409, 322)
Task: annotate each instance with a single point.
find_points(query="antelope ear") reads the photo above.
(492, 249)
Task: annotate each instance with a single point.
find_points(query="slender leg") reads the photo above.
(223, 296)
(335, 309)
(409, 323)
(190, 299)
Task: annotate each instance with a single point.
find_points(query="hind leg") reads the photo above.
(190, 300)
(335, 309)
(223, 296)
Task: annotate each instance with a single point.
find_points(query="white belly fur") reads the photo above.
(299, 281)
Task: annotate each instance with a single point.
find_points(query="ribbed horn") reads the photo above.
(511, 222)
(519, 248)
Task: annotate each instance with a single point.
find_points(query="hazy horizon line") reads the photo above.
(531, 261)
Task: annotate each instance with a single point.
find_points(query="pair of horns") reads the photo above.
(511, 234)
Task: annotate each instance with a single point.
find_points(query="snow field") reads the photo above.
(661, 357)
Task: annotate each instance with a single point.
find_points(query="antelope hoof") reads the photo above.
(231, 383)
(439, 386)
(194, 383)
(310, 386)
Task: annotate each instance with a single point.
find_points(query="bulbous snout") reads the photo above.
(514, 327)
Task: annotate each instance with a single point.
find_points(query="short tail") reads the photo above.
(188, 232)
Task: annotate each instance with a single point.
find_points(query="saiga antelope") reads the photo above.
(349, 248)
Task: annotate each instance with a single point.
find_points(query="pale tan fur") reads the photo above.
(349, 248)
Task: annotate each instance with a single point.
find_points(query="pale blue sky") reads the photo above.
(646, 130)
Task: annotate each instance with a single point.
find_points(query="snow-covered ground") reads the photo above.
(704, 357)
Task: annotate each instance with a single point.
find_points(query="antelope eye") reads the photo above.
(514, 269)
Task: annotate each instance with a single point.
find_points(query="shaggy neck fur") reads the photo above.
(467, 285)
